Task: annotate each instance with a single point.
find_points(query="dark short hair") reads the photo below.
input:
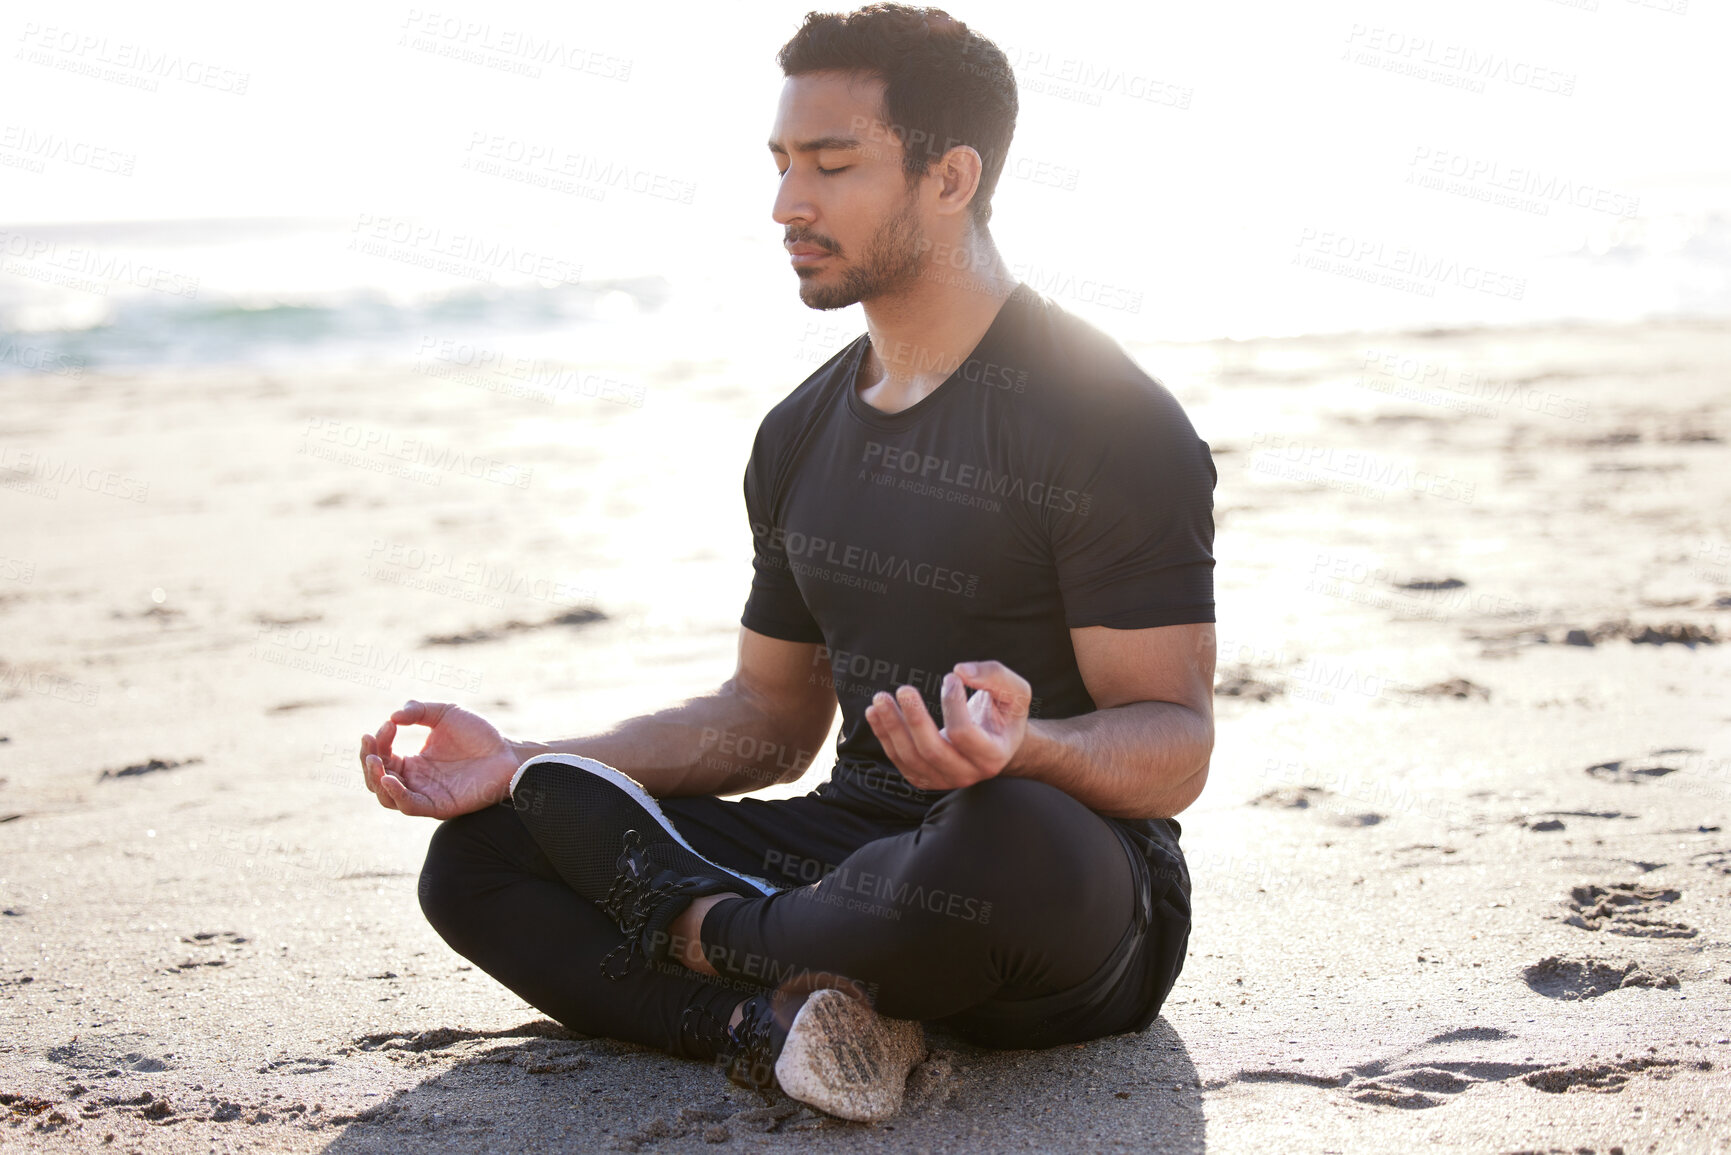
(944, 84)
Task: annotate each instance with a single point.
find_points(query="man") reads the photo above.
(986, 534)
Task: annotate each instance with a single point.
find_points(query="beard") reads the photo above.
(890, 262)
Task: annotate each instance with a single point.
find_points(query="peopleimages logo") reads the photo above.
(122, 62)
(1400, 266)
(385, 450)
(1462, 66)
(508, 49)
(74, 265)
(38, 147)
(930, 469)
(554, 166)
(462, 253)
(1514, 186)
(861, 560)
(42, 475)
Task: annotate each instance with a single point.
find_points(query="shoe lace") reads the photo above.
(750, 1048)
(630, 901)
(702, 1029)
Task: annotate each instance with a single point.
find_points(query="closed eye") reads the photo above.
(820, 170)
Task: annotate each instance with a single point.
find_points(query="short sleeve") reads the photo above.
(774, 606)
(1137, 552)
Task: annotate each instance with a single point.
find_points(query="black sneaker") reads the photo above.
(612, 844)
(830, 1050)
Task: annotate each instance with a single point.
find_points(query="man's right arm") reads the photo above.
(763, 726)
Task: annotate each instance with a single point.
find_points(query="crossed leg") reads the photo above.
(1006, 892)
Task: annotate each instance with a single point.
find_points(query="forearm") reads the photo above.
(720, 743)
(1139, 760)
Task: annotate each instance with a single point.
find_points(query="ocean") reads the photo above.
(584, 186)
(276, 293)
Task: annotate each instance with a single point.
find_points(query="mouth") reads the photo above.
(802, 255)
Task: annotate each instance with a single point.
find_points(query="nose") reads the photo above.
(792, 200)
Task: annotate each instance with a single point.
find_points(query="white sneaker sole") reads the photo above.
(642, 798)
(845, 1059)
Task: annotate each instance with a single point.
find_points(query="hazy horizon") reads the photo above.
(1235, 171)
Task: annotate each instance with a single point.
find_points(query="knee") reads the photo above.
(1001, 808)
(1030, 831)
(445, 886)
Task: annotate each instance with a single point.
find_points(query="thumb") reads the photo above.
(410, 802)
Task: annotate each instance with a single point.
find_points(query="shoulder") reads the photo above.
(790, 423)
(788, 419)
(1081, 380)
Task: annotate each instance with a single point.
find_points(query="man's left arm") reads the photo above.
(1142, 753)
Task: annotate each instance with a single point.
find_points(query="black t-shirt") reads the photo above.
(1047, 483)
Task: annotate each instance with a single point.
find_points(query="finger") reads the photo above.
(953, 700)
(931, 745)
(370, 764)
(1009, 690)
(960, 726)
(378, 777)
(408, 801)
(880, 715)
(416, 713)
(382, 740)
(892, 731)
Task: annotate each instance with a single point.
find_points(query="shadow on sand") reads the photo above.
(540, 1087)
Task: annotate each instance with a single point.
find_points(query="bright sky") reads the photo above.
(1166, 143)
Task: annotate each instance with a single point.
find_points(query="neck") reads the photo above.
(921, 334)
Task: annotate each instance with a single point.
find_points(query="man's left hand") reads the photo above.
(981, 733)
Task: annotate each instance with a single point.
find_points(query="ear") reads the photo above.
(959, 178)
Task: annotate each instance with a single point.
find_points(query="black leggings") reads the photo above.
(1011, 913)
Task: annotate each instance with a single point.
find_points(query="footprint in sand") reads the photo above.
(1291, 797)
(1588, 978)
(577, 617)
(1242, 684)
(206, 938)
(109, 1054)
(302, 1065)
(1411, 1080)
(193, 964)
(1424, 1076)
(1304, 797)
(1669, 633)
(1719, 860)
(307, 704)
(1424, 854)
(151, 766)
(1454, 688)
(1625, 908)
(717, 1122)
(1607, 1077)
(441, 1037)
(1639, 770)
(1429, 584)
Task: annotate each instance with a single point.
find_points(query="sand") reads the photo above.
(1463, 866)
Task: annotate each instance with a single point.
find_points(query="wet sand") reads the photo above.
(1463, 866)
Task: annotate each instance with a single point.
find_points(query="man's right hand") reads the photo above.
(466, 764)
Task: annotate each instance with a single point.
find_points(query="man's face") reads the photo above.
(852, 223)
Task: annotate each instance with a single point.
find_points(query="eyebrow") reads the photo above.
(820, 144)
